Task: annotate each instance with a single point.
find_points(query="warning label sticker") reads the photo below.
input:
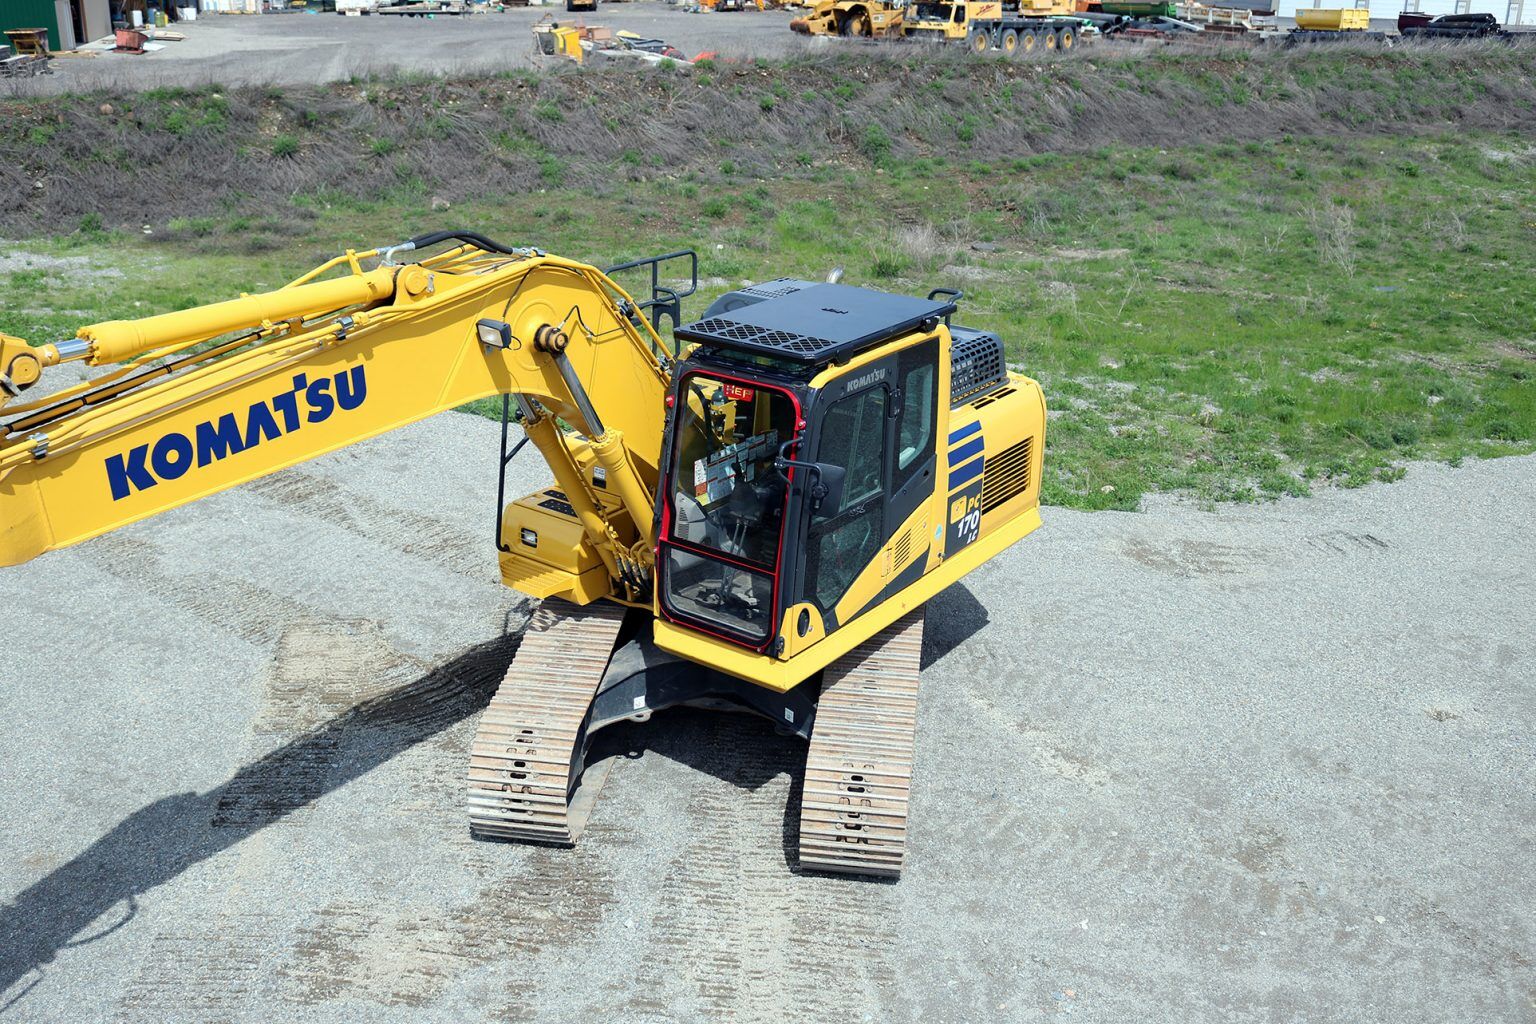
(716, 475)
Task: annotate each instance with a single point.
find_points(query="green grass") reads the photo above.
(1232, 322)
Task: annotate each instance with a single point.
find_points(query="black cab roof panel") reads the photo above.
(819, 324)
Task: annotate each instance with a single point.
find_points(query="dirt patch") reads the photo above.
(1516, 350)
(65, 269)
(1190, 558)
(1089, 254)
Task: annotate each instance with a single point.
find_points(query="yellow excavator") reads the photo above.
(751, 518)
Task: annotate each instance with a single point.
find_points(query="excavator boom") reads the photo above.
(207, 398)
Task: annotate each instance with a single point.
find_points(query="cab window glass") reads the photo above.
(841, 547)
(853, 436)
(727, 495)
(727, 500)
(917, 377)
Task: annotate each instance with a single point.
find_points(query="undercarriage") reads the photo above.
(580, 670)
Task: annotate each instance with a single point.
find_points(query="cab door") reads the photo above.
(879, 423)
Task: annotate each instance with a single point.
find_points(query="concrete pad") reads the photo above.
(1261, 763)
(303, 49)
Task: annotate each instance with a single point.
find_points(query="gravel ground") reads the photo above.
(1264, 763)
(301, 49)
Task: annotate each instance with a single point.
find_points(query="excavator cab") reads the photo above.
(803, 441)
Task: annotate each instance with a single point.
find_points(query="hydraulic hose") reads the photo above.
(470, 237)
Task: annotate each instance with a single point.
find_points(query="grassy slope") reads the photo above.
(1230, 319)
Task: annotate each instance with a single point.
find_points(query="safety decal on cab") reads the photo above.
(715, 476)
(963, 516)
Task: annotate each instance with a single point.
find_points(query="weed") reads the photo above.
(1180, 170)
(285, 145)
(874, 142)
(1334, 228)
(551, 170)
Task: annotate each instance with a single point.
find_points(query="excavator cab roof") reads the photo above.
(810, 324)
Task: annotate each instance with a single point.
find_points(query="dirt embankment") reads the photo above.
(73, 159)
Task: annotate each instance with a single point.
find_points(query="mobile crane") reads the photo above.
(754, 520)
(1014, 26)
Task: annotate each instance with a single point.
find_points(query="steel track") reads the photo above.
(858, 774)
(525, 766)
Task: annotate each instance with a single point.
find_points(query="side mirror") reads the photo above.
(827, 489)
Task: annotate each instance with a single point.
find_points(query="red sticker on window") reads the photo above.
(737, 393)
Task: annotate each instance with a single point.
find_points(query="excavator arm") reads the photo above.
(197, 401)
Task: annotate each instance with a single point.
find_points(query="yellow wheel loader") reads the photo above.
(852, 18)
(752, 518)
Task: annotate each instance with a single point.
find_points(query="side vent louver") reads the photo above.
(1007, 475)
(983, 402)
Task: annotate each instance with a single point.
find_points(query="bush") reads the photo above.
(285, 145)
(551, 170)
(875, 143)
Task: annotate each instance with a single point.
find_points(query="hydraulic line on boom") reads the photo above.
(178, 421)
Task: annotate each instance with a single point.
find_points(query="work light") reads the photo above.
(494, 333)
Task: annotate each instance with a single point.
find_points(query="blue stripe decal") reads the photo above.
(970, 471)
(964, 432)
(968, 450)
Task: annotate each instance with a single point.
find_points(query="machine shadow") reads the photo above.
(739, 748)
(162, 840)
(954, 616)
(748, 752)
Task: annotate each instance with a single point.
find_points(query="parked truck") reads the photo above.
(1332, 25)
